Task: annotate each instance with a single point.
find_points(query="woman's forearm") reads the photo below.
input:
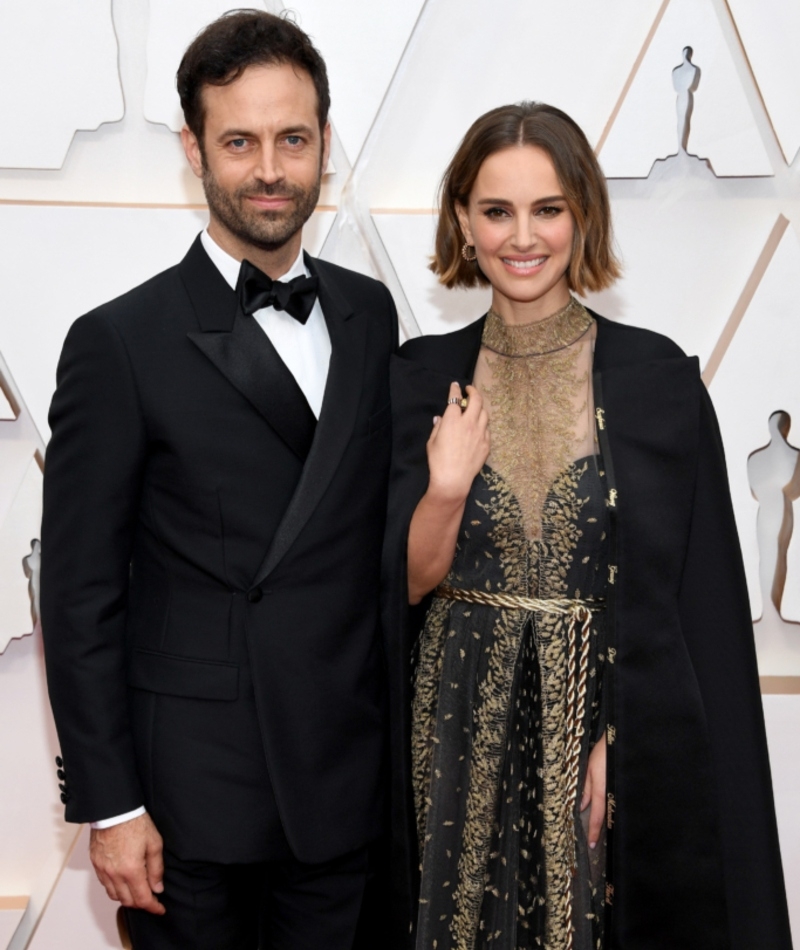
(432, 540)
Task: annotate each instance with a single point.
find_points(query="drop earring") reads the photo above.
(466, 248)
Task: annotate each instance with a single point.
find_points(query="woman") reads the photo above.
(570, 546)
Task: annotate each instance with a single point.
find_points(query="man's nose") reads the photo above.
(269, 168)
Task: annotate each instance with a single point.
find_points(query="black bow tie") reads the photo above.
(256, 290)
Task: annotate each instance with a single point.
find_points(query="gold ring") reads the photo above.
(464, 402)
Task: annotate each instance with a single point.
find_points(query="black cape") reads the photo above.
(694, 860)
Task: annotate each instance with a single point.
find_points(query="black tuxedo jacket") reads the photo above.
(694, 860)
(210, 569)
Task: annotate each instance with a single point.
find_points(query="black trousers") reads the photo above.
(276, 905)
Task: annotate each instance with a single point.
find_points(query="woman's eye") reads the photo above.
(495, 212)
(549, 211)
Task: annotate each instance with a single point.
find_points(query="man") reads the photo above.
(214, 505)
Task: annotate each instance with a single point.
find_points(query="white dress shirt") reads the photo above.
(304, 348)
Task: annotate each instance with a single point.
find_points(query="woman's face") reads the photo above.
(522, 229)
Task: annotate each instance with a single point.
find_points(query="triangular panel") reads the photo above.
(722, 126)
(685, 267)
(362, 42)
(770, 32)
(469, 56)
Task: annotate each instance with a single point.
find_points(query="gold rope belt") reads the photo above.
(562, 606)
(578, 644)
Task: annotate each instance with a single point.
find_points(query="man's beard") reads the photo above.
(266, 230)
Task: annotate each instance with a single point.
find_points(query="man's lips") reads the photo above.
(269, 202)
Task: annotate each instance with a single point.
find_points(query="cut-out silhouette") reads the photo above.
(685, 79)
(32, 566)
(774, 476)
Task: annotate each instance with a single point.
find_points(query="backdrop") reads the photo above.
(693, 107)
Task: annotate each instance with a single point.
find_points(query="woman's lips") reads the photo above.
(524, 266)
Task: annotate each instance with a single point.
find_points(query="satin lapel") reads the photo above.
(247, 359)
(243, 353)
(348, 337)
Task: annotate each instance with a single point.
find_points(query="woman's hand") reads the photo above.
(458, 446)
(457, 449)
(594, 790)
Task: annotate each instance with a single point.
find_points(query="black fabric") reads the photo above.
(280, 905)
(210, 581)
(246, 356)
(256, 290)
(694, 858)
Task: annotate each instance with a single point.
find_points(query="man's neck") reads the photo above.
(273, 263)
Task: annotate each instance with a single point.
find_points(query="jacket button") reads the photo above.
(64, 798)
(61, 774)
(255, 595)
(59, 761)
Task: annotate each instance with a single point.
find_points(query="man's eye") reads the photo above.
(238, 143)
(293, 140)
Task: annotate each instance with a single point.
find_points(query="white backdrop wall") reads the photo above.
(95, 197)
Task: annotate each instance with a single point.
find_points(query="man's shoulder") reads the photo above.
(148, 299)
(353, 285)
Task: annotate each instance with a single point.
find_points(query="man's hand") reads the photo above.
(129, 863)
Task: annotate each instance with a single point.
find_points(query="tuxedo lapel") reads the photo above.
(347, 331)
(244, 354)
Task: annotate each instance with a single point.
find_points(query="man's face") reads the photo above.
(262, 158)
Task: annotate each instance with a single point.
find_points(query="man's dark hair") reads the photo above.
(242, 38)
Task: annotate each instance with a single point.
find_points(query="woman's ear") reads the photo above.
(463, 222)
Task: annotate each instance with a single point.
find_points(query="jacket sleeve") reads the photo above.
(715, 619)
(93, 471)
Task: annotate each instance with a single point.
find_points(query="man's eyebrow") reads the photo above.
(306, 130)
(234, 134)
(289, 130)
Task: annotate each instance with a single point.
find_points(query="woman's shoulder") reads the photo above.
(445, 352)
(632, 344)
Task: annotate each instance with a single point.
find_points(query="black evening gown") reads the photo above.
(508, 697)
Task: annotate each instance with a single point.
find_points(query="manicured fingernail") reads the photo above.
(592, 845)
(436, 420)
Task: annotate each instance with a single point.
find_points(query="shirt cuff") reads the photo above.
(118, 819)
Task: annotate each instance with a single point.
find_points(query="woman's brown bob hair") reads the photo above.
(593, 265)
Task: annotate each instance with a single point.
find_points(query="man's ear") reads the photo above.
(463, 221)
(326, 147)
(192, 149)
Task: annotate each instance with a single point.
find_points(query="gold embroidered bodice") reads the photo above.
(536, 380)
